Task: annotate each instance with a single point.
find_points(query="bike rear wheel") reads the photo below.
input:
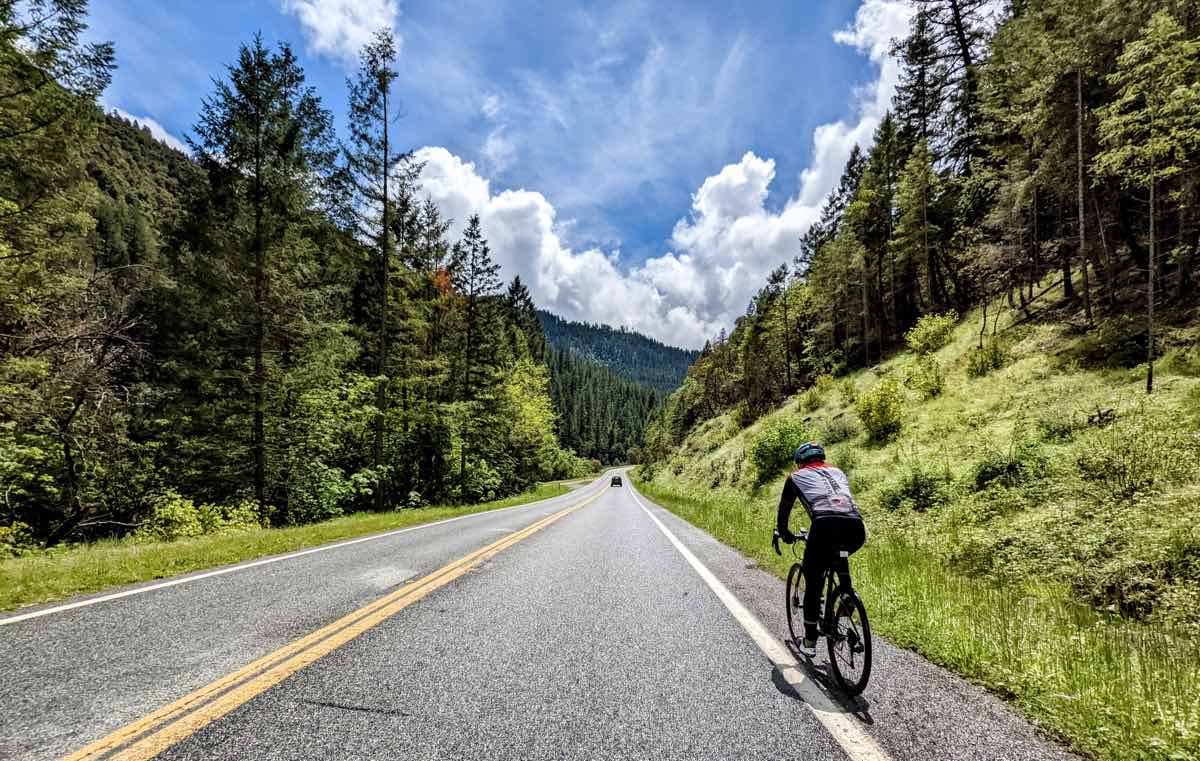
(848, 636)
(795, 602)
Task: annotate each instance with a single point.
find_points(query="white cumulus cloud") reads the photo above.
(718, 255)
(340, 28)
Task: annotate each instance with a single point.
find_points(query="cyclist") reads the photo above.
(836, 525)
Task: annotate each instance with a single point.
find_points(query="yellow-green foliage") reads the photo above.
(881, 409)
(774, 445)
(931, 332)
(16, 540)
(994, 512)
(926, 377)
(173, 517)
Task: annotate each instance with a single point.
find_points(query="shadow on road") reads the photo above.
(819, 672)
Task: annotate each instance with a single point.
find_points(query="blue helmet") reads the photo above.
(810, 451)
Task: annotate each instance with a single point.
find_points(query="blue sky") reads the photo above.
(639, 163)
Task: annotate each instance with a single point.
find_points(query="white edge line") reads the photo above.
(255, 563)
(845, 730)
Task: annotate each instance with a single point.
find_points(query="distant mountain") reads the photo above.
(631, 355)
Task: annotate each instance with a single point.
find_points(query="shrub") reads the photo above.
(981, 361)
(16, 540)
(171, 517)
(1058, 424)
(848, 391)
(931, 332)
(811, 399)
(743, 415)
(926, 377)
(839, 429)
(480, 482)
(919, 488)
(824, 383)
(315, 493)
(1023, 461)
(773, 447)
(1137, 455)
(221, 519)
(880, 409)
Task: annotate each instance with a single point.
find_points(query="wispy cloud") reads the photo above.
(721, 252)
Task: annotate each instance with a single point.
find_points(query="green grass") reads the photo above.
(81, 569)
(999, 509)
(1111, 688)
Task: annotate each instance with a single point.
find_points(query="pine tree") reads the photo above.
(267, 144)
(383, 179)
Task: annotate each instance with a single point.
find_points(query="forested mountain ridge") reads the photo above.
(601, 414)
(630, 354)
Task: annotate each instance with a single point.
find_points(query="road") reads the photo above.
(593, 625)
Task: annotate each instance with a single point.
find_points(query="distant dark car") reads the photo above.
(616, 481)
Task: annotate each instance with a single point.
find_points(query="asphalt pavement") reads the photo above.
(585, 634)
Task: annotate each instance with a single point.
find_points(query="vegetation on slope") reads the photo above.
(1033, 526)
(641, 359)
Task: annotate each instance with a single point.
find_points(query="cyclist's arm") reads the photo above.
(786, 501)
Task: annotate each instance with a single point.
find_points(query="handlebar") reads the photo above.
(800, 537)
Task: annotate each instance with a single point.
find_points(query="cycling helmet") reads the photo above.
(810, 451)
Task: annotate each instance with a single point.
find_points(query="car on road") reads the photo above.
(616, 481)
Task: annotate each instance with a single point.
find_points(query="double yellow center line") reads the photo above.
(152, 734)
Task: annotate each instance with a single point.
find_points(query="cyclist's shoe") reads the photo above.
(808, 648)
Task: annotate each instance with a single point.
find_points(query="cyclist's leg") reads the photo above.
(816, 562)
(851, 534)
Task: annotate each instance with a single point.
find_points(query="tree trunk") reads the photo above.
(1087, 295)
(258, 440)
(384, 257)
(1151, 277)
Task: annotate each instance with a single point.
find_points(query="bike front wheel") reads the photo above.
(849, 639)
(795, 602)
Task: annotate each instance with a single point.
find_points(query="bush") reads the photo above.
(981, 361)
(926, 377)
(920, 488)
(743, 415)
(881, 408)
(772, 449)
(480, 483)
(1023, 461)
(824, 383)
(172, 516)
(315, 493)
(1139, 454)
(931, 332)
(223, 519)
(16, 540)
(848, 391)
(839, 429)
(811, 400)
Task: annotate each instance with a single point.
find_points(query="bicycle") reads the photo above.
(844, 623)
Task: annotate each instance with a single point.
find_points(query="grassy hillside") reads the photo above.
(1033, 527)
